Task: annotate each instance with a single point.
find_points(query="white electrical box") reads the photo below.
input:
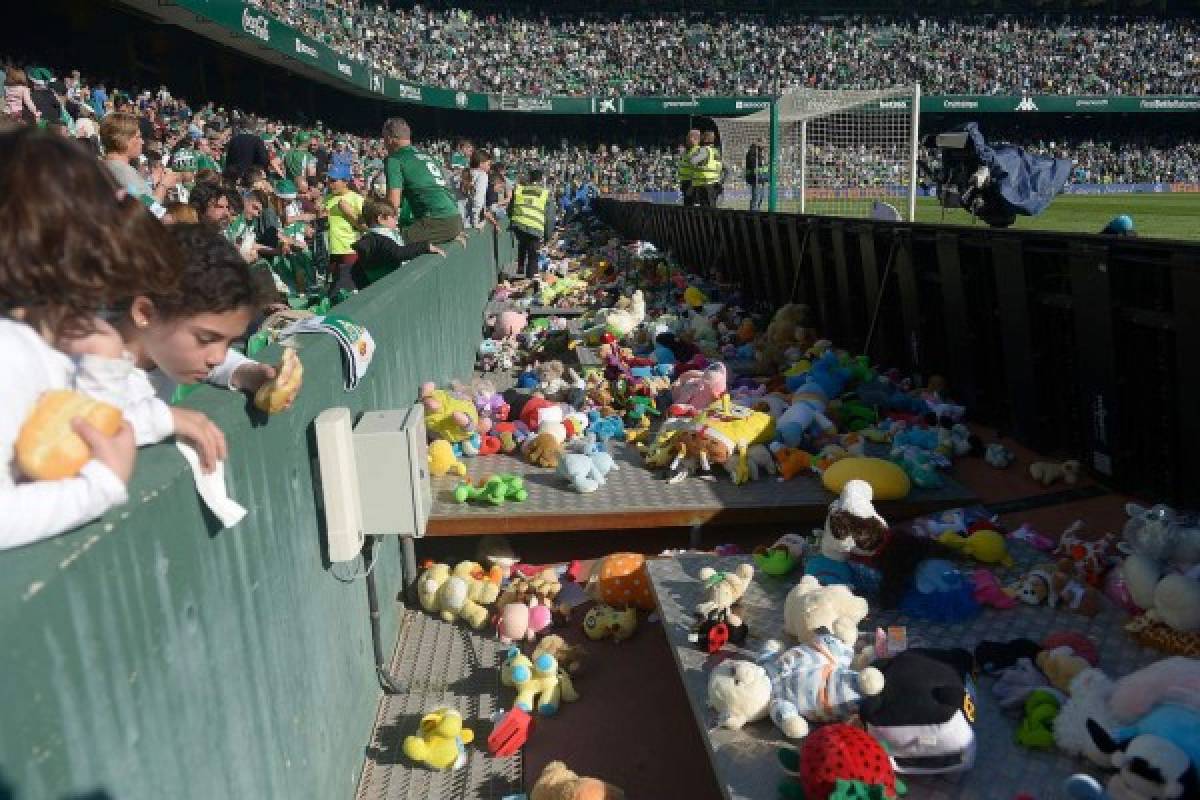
(339, 484)
(393, 472)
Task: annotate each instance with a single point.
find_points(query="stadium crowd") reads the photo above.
(659, 53)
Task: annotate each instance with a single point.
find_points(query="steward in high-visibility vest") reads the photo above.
(686, 167)
(531, 215)
(530, 206)
(710, 171)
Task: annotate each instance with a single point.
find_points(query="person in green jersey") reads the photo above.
(300, 164)
(418, 180)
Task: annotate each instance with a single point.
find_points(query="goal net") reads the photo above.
(840, 152)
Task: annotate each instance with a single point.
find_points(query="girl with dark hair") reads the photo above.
(78, 250)
(184, 337)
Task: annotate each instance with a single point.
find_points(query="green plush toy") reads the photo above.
(496, 489)
(1037, 728)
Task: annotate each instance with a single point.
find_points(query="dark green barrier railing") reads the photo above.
(1080, 346)
(152, 655)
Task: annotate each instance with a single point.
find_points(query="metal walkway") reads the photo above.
(439, 665)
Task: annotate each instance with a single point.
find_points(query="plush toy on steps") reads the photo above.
(839, 762)
(810, 682)
(440, 741)
(602, 622)
(537, 680)
(717, 621)
(557, 782)
(1047, 472)
(985, 546)
(811, 607)
(442, 460)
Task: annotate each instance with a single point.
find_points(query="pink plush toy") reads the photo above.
(1172, 680)
(508, 324)
(988, 590)
(518, 621)
(700, 388)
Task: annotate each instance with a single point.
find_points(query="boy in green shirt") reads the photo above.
(417, 179)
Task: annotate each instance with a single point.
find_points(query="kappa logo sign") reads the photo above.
(608, 106)
(376, 83)
(1027, 104)
(256, 26)
(460, 99)
(345, 69)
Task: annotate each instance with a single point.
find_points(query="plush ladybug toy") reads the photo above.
(714, 631)
(839, 762)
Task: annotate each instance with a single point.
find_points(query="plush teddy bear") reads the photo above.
(1162, 569)
(550, 378)
(1060, 666)
(1047, 472)
(543, 450)
(450, 595)
(810, 682)
(723, 590)
(537, 680)
(557, 782)
(810, 607)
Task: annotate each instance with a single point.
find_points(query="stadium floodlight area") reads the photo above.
(835, 152)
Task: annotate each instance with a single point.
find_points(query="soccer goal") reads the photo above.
(838, 152)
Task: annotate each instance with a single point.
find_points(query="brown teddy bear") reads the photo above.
(543, 450)
(788, 328)
(558, 782)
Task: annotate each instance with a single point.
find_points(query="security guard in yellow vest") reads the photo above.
(687, 172)
(706, 171)
(531, 215)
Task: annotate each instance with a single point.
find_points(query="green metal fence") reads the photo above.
(151, 654)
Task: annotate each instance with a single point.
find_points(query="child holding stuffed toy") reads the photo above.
(158, 341)
(70, 245)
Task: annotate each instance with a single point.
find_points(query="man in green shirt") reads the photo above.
(300, 164)
(415, 178)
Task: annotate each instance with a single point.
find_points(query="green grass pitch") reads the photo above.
(1164, 216)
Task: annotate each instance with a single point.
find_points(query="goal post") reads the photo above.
(831, 152)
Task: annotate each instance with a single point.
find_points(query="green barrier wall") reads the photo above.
(151, 655)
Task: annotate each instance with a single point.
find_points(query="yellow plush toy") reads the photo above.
(448, 416)
(739, 428)
(888, 481)
(442, 460)
(440, 741)
(986, 546)
(539, 680)
(449, 596)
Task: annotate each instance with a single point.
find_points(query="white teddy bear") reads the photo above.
(810, 682)
(809, 607)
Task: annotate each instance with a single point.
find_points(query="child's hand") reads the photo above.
(200, 432)
(117, 452)
(250, 377)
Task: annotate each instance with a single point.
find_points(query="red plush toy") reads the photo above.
(839, 761)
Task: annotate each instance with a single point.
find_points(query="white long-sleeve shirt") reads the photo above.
(35, 510)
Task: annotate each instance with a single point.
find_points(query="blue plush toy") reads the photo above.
(605, 428)
(924, 438)
(940, 593)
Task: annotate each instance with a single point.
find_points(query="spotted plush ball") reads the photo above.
(623, 581)
(843, 754)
